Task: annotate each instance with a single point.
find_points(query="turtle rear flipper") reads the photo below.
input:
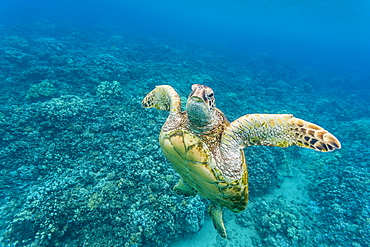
(163, 97)
(215, 212)
(281, 130)
(182, 188)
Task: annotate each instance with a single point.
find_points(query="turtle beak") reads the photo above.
(197, 99)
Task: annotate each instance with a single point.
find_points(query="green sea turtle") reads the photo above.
(207, 150)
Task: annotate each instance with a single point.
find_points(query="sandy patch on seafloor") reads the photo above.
(208, 237)
(292, 189)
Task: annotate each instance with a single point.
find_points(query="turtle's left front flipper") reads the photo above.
(163, 97)
(281, 130)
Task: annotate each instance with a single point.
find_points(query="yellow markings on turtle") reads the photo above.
(190, 140)
(310, 132)
(232, 192)
(176, 164)
(312, 136)
(329, 138)
(257, 117)
(256, 121)
(272, 122)
(169, 148)
(206, 189)
(244, 179)
(298, 122)
(203, 171)
(222, 184)
(264, 123)
(302, 144)
(313, 126)
(282, 144)
(279, 121)
(177, 141)
(173, 157)
(254, 140)
(227, 139)
(320, 134)
(198, 153)
(235, 195)
(284, 119)
(244, 124)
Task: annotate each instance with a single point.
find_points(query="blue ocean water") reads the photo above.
(330, 36)
(80, 162)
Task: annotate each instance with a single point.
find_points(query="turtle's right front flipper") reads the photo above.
(281, 130)
(163, 97)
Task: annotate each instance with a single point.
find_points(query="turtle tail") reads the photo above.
(163, 97)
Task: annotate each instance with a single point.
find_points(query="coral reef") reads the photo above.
(263, 170)
(43, 90)
(109, 90)
(280, 223)
(80, 163)
(342, 195)
(98, 184)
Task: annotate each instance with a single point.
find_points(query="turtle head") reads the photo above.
(200, 106)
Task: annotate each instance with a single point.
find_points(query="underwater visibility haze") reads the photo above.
(80, 160)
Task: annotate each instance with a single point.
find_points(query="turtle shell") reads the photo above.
(195, 161)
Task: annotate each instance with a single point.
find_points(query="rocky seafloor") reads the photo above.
(80, 164)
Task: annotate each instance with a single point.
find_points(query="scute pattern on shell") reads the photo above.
(192, 158)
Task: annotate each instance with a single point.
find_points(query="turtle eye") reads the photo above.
(209, 92)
